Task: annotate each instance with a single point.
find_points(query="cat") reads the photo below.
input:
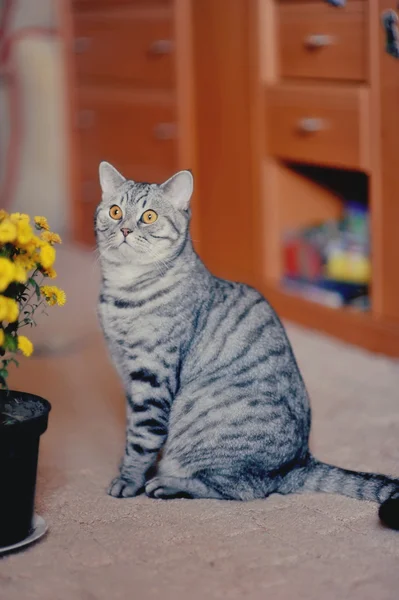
(209, 374)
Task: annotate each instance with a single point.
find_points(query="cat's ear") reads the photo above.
(110, 178)
(178, 189)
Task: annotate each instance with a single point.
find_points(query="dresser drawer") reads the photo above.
(125, 45)
(326, 125)
(136, 132)
(318, 40)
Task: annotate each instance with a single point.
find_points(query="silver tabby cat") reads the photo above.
(209, 374)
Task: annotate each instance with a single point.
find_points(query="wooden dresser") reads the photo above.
(133, 98)
(326, 93)
(280, 107)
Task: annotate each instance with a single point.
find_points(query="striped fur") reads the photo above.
(209, 374)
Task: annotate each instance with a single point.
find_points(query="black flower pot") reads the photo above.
(23, 419)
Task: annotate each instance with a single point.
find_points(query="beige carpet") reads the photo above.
(312, 546)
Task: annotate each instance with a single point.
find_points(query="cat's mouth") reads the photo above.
(125, 246)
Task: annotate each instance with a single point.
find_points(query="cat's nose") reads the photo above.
(125, 231)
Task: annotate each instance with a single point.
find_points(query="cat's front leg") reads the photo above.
(147, 427)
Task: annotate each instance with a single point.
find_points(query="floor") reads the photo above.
(98, 548)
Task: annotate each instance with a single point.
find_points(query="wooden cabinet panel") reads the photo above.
(321, 41)
(222, 71)
(326, 125)
(125, 46)
(385, 179)
(135, 132)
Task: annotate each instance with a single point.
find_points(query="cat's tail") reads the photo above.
(321, 477)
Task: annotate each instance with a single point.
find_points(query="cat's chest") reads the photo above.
(130, 324)
(125, 321)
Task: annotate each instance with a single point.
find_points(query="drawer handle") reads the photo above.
(311, 125)
(165, 131)
(81, 45)
(161, 47)
(318, 41)
(85, 119)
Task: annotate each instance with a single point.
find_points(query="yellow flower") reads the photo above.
(8, 309)
(53, 295)
(20, 274)
(2, 337)
(25, 345)
(25, 233)
(3, 308)
(47, 256)
(51, 238)
(34, 244)
(8, 231)
(13, 310)
(51, 273)
(6, 273)
(41, 223)
(16, 217)
(24, 261)
(3, 214)
(61, 298)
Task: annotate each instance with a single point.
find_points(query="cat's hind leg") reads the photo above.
(167, 487)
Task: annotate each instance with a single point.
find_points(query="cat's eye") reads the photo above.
(115, 213)
(149, 216)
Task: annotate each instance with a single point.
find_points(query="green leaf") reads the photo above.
(3, 373)
(7, 361)
(13, 290)
(11, 327)
(35, 285)
(11, 343)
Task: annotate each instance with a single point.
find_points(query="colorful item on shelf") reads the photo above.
(350, 265)
(390, 23)
(330, 262)
(328, 292)
(337, 3)
(356, 221)
(312, 292)
(302, 258)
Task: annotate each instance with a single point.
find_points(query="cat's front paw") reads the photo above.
(123, 488)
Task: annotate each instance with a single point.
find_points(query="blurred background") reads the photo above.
(285, 110)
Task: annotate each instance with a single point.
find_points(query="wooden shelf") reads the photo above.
(227, 56)
(361, 329)
(291, 198)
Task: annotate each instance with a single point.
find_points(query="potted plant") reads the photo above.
(27, 255)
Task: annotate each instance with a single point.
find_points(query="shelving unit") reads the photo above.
(349, 87)
(244, 74)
